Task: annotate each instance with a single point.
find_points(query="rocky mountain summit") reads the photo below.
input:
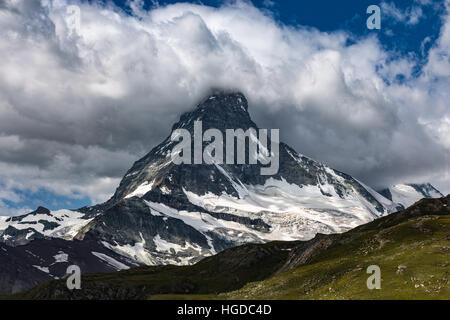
(167, 213)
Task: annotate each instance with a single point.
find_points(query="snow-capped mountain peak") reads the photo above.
(200, 209)
(407, 194)
(40, 224)
(167, 213)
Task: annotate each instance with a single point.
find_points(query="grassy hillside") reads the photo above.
(412, 248)
(414, 258)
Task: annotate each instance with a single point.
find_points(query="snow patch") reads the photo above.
(111, 261)
(407, 195)
(165, 246)
(68, 223)
(136, 251)
(61, 257)
(141, 190)
(43, 269)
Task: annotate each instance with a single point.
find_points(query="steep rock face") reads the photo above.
(168, 213)
(164, 213)
(156, 171)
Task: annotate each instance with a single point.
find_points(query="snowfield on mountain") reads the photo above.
(407, 194)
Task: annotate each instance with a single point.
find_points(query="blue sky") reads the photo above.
(30, 200)
(410, 28)
(349, 15)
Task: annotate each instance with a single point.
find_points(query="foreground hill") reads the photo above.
(412, 248)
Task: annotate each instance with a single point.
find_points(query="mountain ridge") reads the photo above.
(272, 270)
(163, 213)
(404, 195)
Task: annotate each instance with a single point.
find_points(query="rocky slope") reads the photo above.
(164, 213)
(411, 247)
(41, 260)
(169, 213)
